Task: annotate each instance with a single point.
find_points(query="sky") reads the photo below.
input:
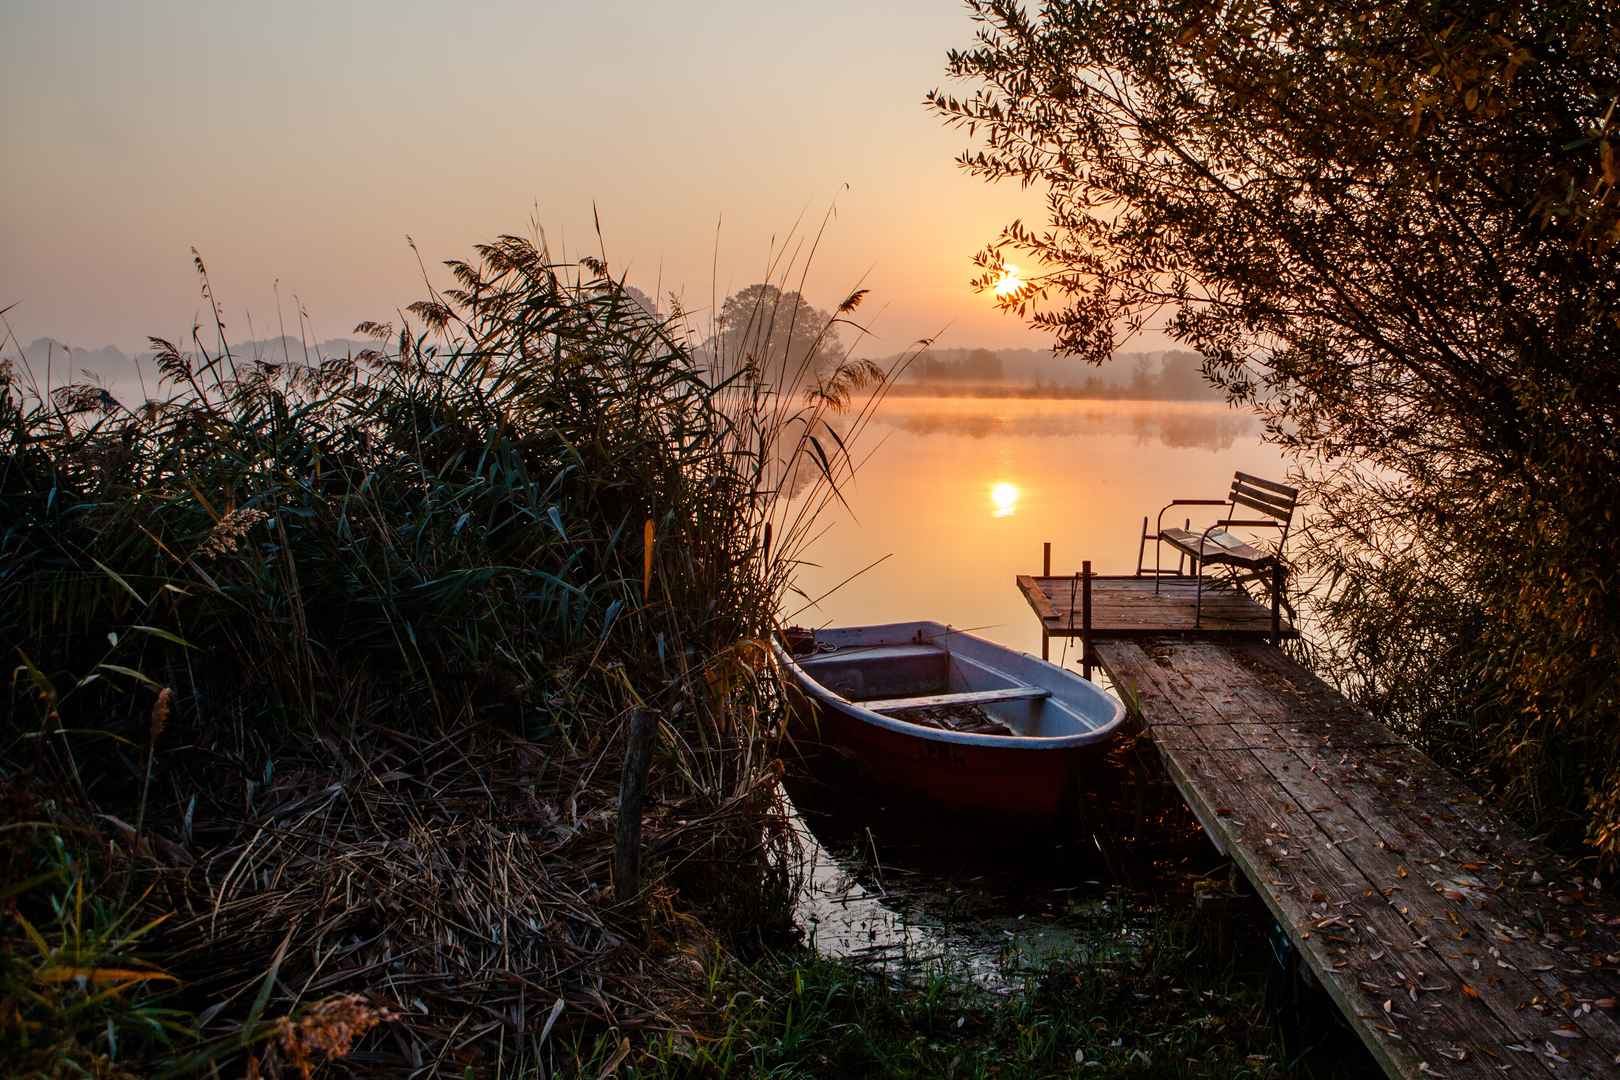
(296, 146)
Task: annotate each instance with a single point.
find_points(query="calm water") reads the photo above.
(961, 494)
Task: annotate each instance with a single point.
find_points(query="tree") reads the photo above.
(982, 365)
(791, 342)
(1393, 228)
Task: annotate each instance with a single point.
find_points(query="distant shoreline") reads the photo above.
(1038, 392)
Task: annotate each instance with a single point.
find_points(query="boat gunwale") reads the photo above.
(960, 738)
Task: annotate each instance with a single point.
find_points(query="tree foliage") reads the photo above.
(1393, 227)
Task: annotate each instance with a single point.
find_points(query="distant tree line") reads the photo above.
(1176, 375)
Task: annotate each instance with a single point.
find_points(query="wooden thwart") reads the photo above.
(1453, 944)
(966, 697)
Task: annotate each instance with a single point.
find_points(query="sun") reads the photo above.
(1004, 499)
(1010, 281)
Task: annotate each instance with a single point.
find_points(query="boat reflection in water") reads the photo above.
(885, 889)
(891, 884)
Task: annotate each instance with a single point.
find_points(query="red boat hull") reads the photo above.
(984, 781)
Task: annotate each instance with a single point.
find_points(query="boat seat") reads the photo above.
(869, 653)
(966, 697)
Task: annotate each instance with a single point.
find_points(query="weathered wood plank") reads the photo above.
(1382, 971)
(1548, 941)
(1130, 607)
(1276, 506)
(1295, 756)
(1269, 485)
(1448, 928)
(1353, 943)
(1037, 597)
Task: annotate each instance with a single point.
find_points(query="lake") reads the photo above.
(960, 494)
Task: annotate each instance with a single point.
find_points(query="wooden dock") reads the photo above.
(1127, 606)
(1454, 944)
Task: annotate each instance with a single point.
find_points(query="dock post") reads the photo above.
(1046, 571)
(1277, 577)
(1085, 618)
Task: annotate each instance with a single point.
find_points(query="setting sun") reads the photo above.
(1008, 284)
(1004, 499)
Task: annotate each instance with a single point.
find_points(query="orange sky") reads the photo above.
(288, 143)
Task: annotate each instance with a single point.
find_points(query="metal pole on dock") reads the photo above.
(1277, 577)
(1085, 619)
(1046, 572)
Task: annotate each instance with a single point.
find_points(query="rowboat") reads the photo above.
(949, 718)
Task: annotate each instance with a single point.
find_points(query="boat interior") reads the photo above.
(939, 687)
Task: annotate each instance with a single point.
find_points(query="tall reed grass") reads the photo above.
(333, 656)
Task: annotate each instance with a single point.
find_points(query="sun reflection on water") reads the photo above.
(1004, 499)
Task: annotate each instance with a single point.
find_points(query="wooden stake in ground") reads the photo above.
(632, 791)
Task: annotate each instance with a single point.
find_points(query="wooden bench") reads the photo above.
(1270, 505)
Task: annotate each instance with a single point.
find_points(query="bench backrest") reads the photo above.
(1274, 500)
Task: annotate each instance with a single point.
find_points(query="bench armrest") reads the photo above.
(1187, 502)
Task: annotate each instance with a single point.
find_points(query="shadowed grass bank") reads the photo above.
(1146, 995)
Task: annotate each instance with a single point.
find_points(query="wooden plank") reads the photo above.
(1036, 596)
(967, 697)
(1269, 485)
(1526, 1003)
(1282, 511)
(870, 653)
(1316, 895)
(1129, 607)
(1557, 949)
(1453, 912)
(1375, 957)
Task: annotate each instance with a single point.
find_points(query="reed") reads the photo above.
(335, 656)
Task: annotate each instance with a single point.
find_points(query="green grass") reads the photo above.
(77, 988)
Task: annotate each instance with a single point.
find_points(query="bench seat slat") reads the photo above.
(1245, 554)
